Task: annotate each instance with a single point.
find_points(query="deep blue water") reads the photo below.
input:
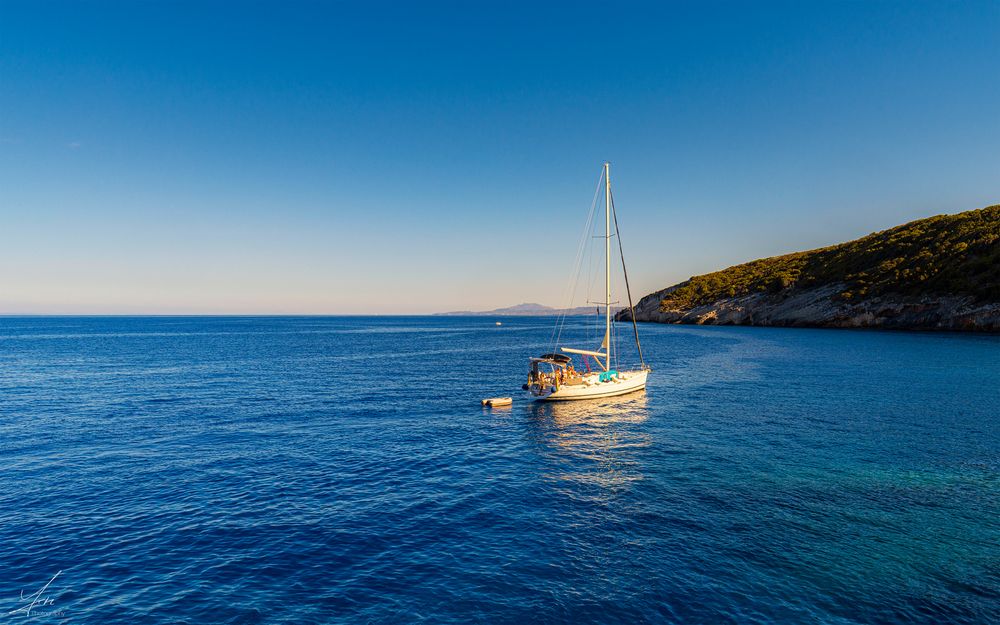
(324, 470)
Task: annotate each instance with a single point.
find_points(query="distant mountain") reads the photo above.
(940, 273)
(530, 310)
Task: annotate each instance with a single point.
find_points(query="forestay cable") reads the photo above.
(631, 309)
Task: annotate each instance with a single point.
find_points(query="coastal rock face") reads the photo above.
(939, 273)
(819, 307)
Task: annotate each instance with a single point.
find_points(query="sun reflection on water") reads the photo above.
(594, 442)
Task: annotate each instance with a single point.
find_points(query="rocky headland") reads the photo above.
(940, 273)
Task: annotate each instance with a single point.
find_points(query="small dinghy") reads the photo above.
(498, 401)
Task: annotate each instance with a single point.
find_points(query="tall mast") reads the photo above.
(607, 266)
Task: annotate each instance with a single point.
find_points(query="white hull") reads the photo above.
(626, 382)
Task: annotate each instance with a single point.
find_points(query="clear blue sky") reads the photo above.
(392, 157)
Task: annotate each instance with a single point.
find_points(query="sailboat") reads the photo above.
(552, 377)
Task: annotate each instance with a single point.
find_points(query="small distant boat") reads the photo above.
(499, 324)
(552, 377)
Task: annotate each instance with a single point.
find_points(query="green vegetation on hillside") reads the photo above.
(947, 254)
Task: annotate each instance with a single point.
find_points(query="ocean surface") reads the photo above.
(341, 470)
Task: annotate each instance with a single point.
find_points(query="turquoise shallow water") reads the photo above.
(323, 470)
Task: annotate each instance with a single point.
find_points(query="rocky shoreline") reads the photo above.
(819, 307)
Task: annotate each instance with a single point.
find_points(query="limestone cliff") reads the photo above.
(941, 273)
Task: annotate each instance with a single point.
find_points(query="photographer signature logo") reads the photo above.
(31, 603)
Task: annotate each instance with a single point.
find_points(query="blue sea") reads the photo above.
(341, 470)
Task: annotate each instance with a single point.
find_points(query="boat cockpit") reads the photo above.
(551, 370)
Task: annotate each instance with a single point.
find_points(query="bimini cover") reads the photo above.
(557, 357)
